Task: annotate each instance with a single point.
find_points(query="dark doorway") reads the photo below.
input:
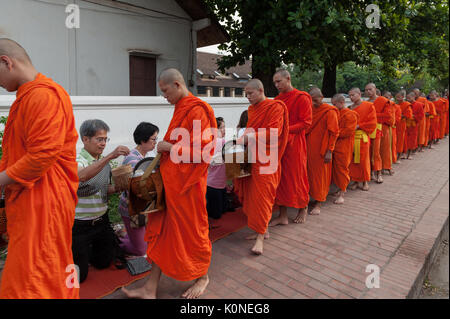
(142, 75)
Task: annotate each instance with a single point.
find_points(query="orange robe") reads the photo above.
(446, 116)
(381, 151)
(257, 192)
(293, 190)
(412, 127)
(321, 136)
(386, 116)
(178, 238)
(39, 153)
(343, 150)
(398, 119)
(434, 122)
(360, 165)
(422, 124)
(440, 111)
(429, 122)
(401, 126)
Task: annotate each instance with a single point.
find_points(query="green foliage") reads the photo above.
(3, 120)
(325, 34)
(113, 209)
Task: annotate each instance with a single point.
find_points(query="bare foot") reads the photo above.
(379, 179)
(339, 200)
(391, 172)
(280, 220)
(255, 235)
(365, 186)
(353, 186)
(140, 293)
(315, 210)
(301, 216)
(197, 289)
(258, 247)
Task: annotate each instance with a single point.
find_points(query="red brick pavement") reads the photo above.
(394, 226)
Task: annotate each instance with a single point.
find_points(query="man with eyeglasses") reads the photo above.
(93, 239)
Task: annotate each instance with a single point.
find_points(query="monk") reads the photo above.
(446, 113)
(433, 126)
(381, 151)
(396, 112)
(293, 190)
(412, 127)
(367, 124)
(257, 192)
(178, 238)
(343, 150)
(429, 121)
(321, 138)
(395, 128)
(422, 125)
(439, 104)
(406, 114)
(39, 170)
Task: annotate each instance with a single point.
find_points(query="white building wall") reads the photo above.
(94, 59)
(124, 113)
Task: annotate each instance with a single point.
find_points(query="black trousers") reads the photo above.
(93, 242)
(215, 202)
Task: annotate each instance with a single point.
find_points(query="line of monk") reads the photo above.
(315, 146)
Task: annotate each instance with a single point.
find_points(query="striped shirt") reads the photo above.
(90, 207)
(131, 159)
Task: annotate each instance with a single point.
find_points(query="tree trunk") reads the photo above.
(267, 79)
(329, 81)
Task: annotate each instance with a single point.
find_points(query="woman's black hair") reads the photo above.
(143, 132)
(243, 120)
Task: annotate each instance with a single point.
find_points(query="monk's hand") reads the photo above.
(328, 156)
(164, 146)
(119, 151)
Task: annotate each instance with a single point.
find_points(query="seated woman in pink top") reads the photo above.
(217, 180)
(145, 136)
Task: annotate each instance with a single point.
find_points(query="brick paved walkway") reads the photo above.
(394, 226)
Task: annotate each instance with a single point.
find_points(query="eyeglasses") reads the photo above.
(102, 139)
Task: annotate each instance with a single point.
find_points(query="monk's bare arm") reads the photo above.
(5, 179)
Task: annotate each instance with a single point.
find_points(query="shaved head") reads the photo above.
(170, 76)
(411, 96)
(254, 91)
(284, 73)
(371, 91)
(282, 81)
(255, 84)
(316, 96)
(16, 68)
(357, 90)
(338, 98)
(315, 92)
(172, 85)
(13, 50)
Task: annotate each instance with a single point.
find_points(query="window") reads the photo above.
(142, 75)
(216, 91)
(238, 92)
(227, 92)
(201, 90)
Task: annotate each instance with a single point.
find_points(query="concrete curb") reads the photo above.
(406, 271)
